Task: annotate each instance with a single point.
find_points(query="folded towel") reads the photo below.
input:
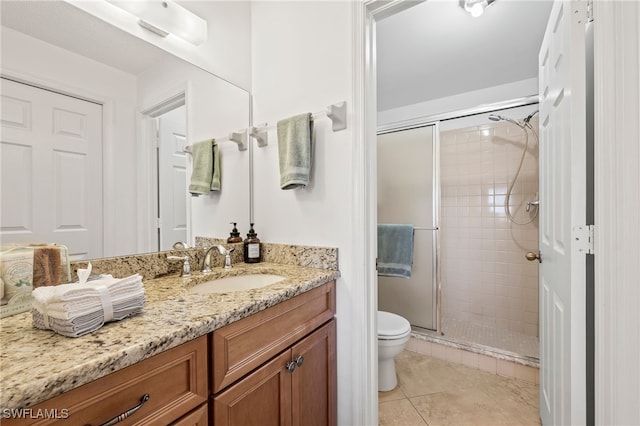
(294, 150)
(205, 176)
(395, 250)
(80, 325)
(76, 309)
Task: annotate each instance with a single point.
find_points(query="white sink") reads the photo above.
(236, 283)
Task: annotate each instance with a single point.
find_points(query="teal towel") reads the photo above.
(395, 250)
(205, 176)
(294, 150)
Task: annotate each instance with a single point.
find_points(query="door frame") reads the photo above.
(147, 170)
(616, 155)
(40, 81)
(364, 398)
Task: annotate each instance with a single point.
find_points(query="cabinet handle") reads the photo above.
(290, 366)
(299, 360)
(121, 417)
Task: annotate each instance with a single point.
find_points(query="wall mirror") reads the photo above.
(129, 94)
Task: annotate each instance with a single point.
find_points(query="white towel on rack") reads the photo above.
(294, 150)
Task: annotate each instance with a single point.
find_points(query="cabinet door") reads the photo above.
(198, 417)
(263, 398)
(314, 380)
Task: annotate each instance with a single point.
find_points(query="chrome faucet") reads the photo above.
(186, 267)
(206, 266)
(181, 245)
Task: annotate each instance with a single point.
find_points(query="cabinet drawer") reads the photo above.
(175, 380)
(244, 345)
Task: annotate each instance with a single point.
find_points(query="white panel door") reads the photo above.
(562, 208)
(51, 170)
(172, 173)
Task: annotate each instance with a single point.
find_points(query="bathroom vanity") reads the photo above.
(261, 356)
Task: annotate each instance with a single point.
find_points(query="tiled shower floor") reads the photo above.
(510, 341)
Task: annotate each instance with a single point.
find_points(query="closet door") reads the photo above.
(172, 178)
(51, 170)
(406, 195)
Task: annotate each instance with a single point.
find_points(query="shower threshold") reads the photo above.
(451, 340)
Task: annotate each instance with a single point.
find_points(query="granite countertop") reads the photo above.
(39, 364)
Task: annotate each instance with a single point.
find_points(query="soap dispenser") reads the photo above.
(252, 247)
(235, 235)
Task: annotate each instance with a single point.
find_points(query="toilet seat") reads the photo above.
(392, 326)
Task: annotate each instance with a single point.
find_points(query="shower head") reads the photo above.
(529, 117)
(495, 117)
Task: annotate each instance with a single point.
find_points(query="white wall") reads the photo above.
(302, 62)
(472, 99)
(48, 66)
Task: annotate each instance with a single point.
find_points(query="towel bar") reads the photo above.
(240, 138)
(336, 112)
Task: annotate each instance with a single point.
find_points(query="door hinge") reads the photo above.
(158, 222)
(583, 237)
(589, 10)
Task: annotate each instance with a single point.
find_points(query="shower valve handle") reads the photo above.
(534, 203)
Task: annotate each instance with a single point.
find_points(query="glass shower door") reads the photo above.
(407, 178)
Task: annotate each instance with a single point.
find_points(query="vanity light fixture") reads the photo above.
(475, 7)
(166, 17)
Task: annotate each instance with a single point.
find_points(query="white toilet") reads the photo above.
(393, 335)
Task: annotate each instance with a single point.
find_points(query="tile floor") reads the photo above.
(491, 336)
(434, 392)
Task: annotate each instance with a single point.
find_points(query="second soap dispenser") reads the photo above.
(252, 247)
(235, 235)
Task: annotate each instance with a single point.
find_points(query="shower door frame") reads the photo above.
(435, 120)
(435, 194)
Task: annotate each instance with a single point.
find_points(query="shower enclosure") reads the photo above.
(407, 194)
(472, 285)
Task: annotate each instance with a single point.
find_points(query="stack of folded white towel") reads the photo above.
(80, 308)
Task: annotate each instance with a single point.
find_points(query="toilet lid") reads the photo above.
(390, 325)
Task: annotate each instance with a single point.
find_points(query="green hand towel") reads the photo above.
(205, 176)
(294, 150)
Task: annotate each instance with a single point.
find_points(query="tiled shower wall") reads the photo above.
(485, 276)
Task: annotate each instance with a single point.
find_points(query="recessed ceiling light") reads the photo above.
(475, 7)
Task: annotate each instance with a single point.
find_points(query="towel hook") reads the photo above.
(338, 115)
(261, 134)
(240, 137)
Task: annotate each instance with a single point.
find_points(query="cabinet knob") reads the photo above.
(290, 366)
(299, 360)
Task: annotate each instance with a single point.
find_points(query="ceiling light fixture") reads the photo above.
(475, 7)
(167, 17)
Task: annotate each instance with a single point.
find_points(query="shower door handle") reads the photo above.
(531, 256)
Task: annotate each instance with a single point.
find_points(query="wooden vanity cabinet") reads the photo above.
(175, 380)
(283, 361)
(275, 367)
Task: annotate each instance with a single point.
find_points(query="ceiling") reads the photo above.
(435, 49)
(66, 26)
